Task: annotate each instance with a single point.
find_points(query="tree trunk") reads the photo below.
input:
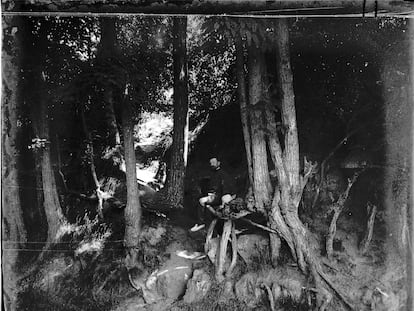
(284, 216)
(53, 210)
(133, 210)
(285, 79)
(261, 178)
(39, 113)
(179, 151)
(13, 230)
(242, 92)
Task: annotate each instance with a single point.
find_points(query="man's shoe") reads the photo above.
(188, 255)
(197, 227)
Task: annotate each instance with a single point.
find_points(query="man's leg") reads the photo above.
(201, 208)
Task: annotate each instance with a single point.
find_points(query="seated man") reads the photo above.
(221, 189)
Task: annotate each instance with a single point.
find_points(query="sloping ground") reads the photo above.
(86, 271)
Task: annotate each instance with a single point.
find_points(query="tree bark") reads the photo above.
(261, 178)
(133, 211)
(285, 79)
(13, 230)
(40, 115)
(242, 92)
(51, 201)
(283, 216)
(179, 150)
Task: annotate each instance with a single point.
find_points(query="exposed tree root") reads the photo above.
(131, 281)
(222, 250)
(209, 235)
(234, 251)
(270, 296)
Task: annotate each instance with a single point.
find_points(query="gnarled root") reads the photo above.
(221, 256)
(210, 232)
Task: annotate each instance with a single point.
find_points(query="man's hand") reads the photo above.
(227, 198)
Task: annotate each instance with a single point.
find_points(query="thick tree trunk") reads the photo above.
(284, 216)
(287, 162)
(179, 151)
(285, 79)
(39, 113)
(133, 210)
(13, 230)
(53, 210)
(261, 179)
(242, 92)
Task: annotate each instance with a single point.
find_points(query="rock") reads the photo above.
(135, 303)
(252, 247)
(285, 282)
(173, 277)
(170, 280)
(162, 305)
(153, 235)
(197, 286)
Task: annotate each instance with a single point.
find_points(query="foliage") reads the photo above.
(211, 84)
(146, 51)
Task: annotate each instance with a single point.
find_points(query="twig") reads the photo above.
(221, 255)
(133, 283)
(323, 164)
(259, 226)
(270, 296)
(372, 210)
(92, 163)
(60, 163)
(338, 207)
(234, 250)
(209, 236)
(337, 292)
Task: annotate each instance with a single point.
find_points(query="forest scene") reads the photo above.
(160, 162)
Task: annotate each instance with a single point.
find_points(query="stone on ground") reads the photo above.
(252, 247)
(197, 286)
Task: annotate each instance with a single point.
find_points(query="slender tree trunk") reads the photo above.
(13, 230)
(133, 210)
(179, 152)
(261, 179)
(242, 92)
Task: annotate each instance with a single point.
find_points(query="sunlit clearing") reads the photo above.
(66, 228)
(146, 173)
(95, 245)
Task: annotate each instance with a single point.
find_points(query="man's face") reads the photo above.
(214, 163)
